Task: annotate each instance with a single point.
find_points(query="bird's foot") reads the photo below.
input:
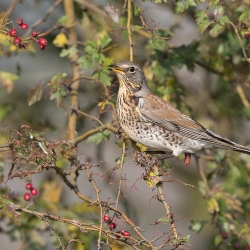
(187, 158)
(166, 156)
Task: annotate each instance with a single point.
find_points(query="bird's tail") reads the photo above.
(226, 144)
(241, 149)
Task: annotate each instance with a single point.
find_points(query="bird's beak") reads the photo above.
(115, 69)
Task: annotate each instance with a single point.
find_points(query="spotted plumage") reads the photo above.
(155, 123)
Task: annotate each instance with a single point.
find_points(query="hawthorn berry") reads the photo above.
(237, 245)
(224, 235)
(27, 197)
(17, 41)
(13, 33)
(34, 33)
(19, 21)
(24, 26)
(247, 35)
(106, 218)
(126, 233)
(243, 25)
(34, 191)
(29, 186)
(119, 232)
(42, 47)
(112, 226)
(211, 16)
(43, 41)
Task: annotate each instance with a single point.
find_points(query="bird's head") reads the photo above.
(130, 76)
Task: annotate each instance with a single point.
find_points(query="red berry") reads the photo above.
(34, 33)
(27, 196)
(112, 225)
(243, 25)
(237, 245)
(211, 16)
(247, 247)
(224, 235)
(247, 36)
(17, 41)
(29, 186)
(24, 26)
(34, 191)
(13, 33)
(126, 233)
(19, 21)
(119, 232)
(106, 218)
(42, 47)
(43, 41)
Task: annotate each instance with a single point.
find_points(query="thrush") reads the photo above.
(153, 122)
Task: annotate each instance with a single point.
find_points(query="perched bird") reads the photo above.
(155, 123)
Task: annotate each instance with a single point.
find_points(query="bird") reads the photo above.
(149, 120)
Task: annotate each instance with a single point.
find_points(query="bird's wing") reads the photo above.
(158, 111)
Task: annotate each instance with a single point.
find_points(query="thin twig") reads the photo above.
(94, 131)
(120, 177)
(91, 117)
(99, 204)
(167, 208)
(43, 19)
(93, 7)
(201, 172)
(242, 96)
(239, 38)
(129, 30)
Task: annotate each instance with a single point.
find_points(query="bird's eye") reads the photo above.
(131, 69)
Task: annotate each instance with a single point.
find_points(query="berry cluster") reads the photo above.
(18, 41)
(237, 244)
(33, 191)
(112, 226)
(247, 34)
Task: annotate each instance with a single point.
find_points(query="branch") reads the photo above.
(72, 121)
(43, 19)
(129, 31)
(94, 131)
(99, 202)
(103, 13)
(242, 96)
(239, 38)
(167, 208)
(120, 178)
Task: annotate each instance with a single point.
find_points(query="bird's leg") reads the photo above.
(187, 159)
(166, 156)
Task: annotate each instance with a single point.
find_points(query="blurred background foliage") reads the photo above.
(195, 54)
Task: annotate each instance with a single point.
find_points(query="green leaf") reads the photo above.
(64, 20)
(197, 225)
(223, 20)
(203, 25)
(217, 240)
(245, 16)
(71, 51)
(216, 30)
(164, 220)
(99, 137)
(105, 40)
